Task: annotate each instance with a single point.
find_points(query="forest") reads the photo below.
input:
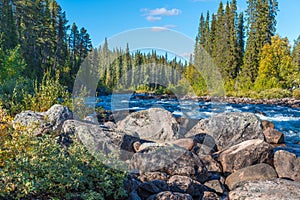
(37, 41)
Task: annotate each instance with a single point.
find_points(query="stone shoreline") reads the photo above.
(289, 102)
(227, 156)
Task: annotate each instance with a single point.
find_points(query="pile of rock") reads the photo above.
(290, 102)
(229, 155)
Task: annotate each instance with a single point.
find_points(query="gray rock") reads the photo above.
(211, 164)
(154, 124)
(153, 187)
(134, 196)
(91, 119)
(204, 144)
(109, 125)
(287, 165)
(256, 172)
(150, 176)
(273, 137)
(210, 196)
(170, 160)
(131, 184)
(246, 154)
(216, 186)
(229, 129)
(186, 143)
(170, 196)
(184, 184)
(41, 122)
(278, 189)
(101, 141)
(267, 124)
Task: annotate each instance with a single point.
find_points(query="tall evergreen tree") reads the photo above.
(240, 40)
(261, 27)
(8, 25)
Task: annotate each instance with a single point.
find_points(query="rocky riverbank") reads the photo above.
(228, 156)
(289, 102)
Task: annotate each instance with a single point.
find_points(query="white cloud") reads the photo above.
(157, 13)
(164, 12)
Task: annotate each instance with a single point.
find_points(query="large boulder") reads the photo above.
(150, 176)
(287, 165)
(273, 136)
(98, 140)
(184, 184)
(147, 189)
(246, 154)
(211, 196)
(216, 186)
(256, 172)
(170, 196)
(41, 122)
(278, 189)
(170, 160)
(229, 129)
(210, 163)
(153, 124)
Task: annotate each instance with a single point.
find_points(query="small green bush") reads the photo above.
(274, 93)
(39, 168)
(296, 94)
(47, 93)
(12, 93)
(249, 94)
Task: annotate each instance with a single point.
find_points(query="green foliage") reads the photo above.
(296, 94)
(11, 64)
(275, 68)
(39, 168)
(13, 94)
(274, 93)
(47, 93)
(261, 24)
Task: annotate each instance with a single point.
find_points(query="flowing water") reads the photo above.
(286, 120)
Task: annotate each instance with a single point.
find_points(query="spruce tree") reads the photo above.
(240, 40)
(261, 24)
(8, 25)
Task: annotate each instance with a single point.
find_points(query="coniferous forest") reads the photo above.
(38, 40)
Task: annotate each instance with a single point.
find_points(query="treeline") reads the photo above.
(245, 48)
(120, 70)
(36, 37)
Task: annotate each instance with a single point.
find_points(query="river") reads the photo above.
(286, 120)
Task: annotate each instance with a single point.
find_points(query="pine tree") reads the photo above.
(261, 27)
(8, 25)
(212, 35)
(240, 40)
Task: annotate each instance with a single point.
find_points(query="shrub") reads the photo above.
(38, 168)
(47, 93)
(249, 94)
(12, 93)
(296, 94)
(274, 93)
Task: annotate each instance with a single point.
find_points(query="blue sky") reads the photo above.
(106, 18)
